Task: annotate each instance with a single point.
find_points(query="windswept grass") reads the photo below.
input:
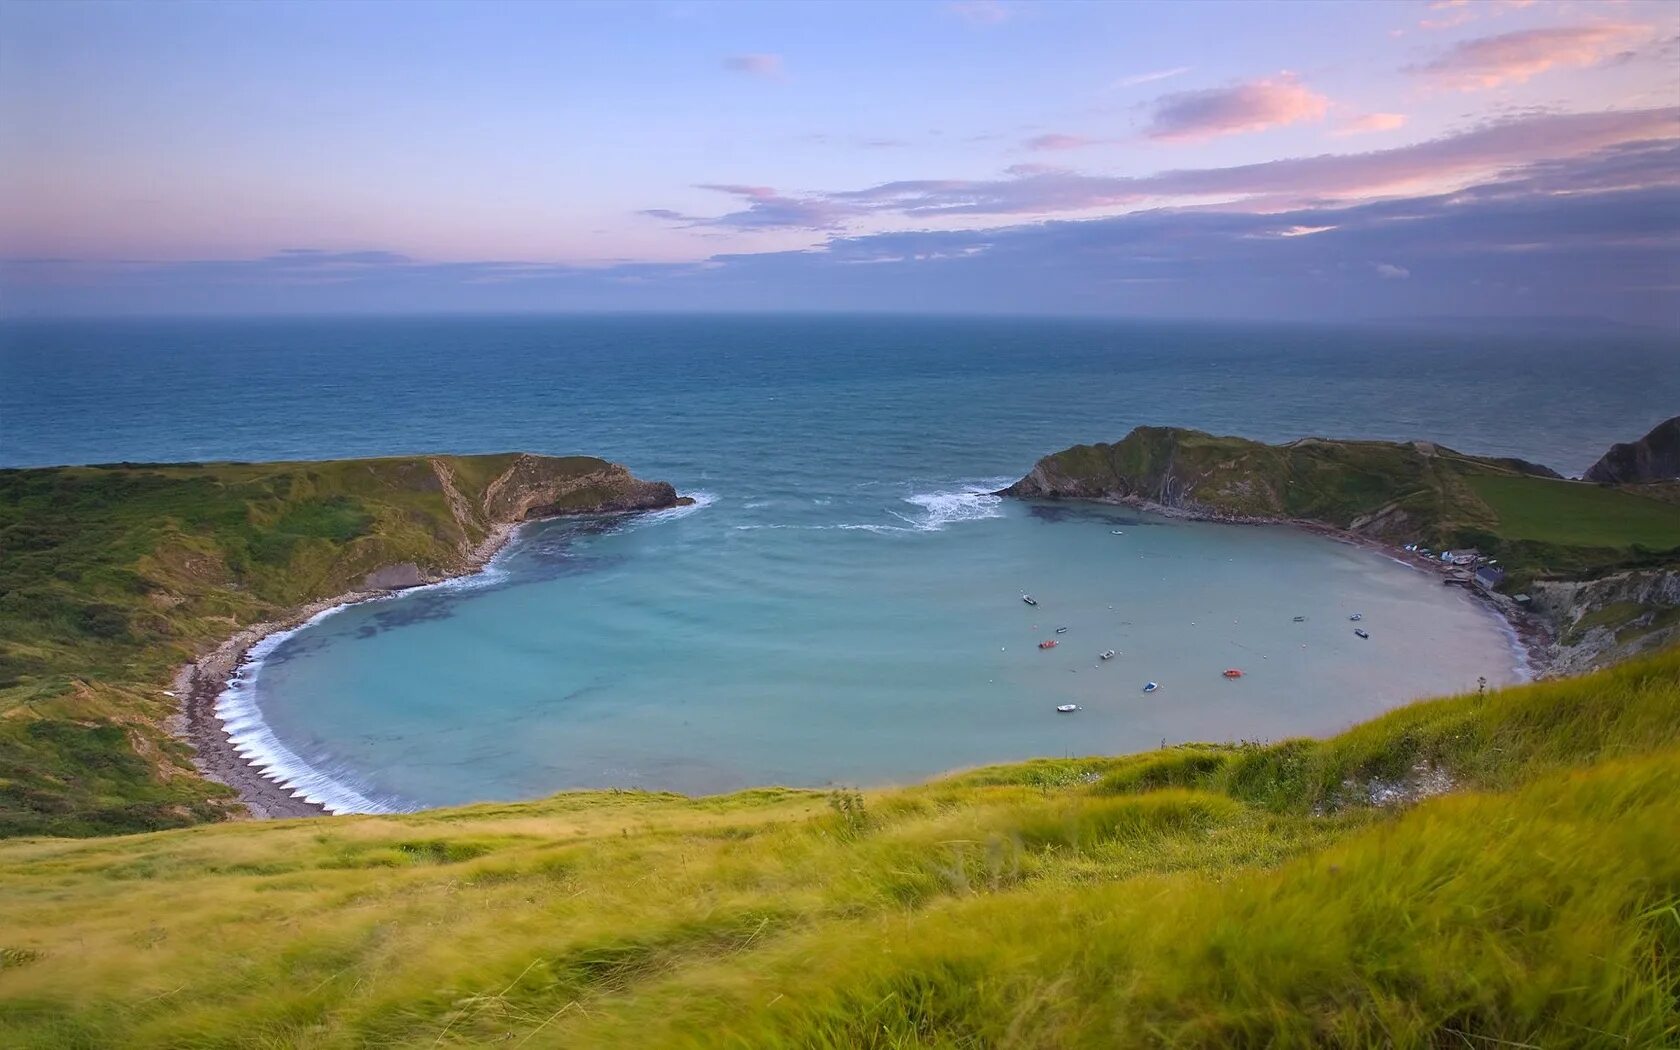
(1299, 894)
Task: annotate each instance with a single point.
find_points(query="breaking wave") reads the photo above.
(236, 707)
(971, 502)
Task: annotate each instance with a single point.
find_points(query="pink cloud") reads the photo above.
(1057, 140)
(1452, 21)
(1370, 122)
(1490, 61)
(756, 65)
(979, 12)
(1432, 165)
(1254, 106)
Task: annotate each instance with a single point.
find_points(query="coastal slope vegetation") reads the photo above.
(111, 577)
(1481, 870)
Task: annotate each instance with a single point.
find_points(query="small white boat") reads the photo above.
(1066, 709)
(1116, 532)
(1029, 599)
(1361, 632)
(1356, 617)
(1061, 630)
(1106, 654)
(1151, 687)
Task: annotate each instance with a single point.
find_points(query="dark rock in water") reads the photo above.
(1654, 457)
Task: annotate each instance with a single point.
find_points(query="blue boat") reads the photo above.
(1151, 687)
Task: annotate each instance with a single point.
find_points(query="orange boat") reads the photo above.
(1051, 644)
(1232, 672)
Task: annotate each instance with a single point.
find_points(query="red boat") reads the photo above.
(1051, 644)
(1232, 672)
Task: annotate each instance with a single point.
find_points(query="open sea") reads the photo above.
(842, 604)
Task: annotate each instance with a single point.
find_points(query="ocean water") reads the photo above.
(842, 604)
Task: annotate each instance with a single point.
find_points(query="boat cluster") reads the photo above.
(1231, 673)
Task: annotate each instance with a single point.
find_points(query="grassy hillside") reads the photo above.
(111, 577)
(1577, 515)
(1287, 895)
(1535, 522)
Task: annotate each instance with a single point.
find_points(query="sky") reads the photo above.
(1489, 158)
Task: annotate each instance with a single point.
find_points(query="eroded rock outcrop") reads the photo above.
(1654, 457)
(545, 487)
(1609, 619)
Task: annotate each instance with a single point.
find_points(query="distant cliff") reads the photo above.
(111, 577)
(1654, 457)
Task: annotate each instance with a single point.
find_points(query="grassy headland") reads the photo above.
(1475, 871)
(1534, 521)
(113, 576)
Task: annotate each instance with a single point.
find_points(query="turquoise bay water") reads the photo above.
(842, 606)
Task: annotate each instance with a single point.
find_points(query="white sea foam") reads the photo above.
(255, 741)
(702, 500)
(972, 502)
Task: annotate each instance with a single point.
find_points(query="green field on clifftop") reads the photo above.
(1574, 513)
(1476, 871)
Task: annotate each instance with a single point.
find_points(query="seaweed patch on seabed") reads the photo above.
(1061, 513)
(413, 609)
(302, 643)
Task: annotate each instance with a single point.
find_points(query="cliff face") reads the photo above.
(1654, 457)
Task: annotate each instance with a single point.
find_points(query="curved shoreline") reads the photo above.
(202, 683)
(267, 791)
(1529, 634)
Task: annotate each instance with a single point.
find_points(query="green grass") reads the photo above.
(112, 577)
(1573, 513)
(1197, 896)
